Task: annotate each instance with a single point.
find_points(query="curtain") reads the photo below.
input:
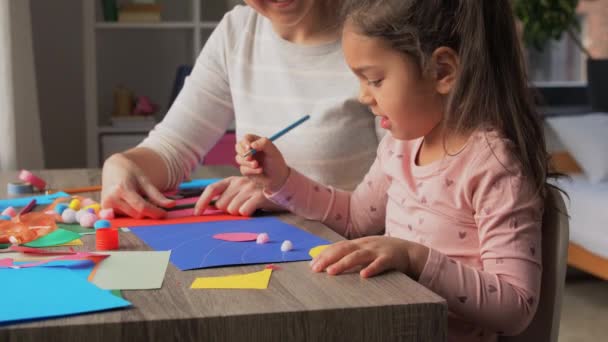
(20, 135)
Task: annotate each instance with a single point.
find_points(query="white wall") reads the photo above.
(57, 35)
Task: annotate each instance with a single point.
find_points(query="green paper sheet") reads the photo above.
(57, 237)
(140, 270)
(76, 228)
(117, 293)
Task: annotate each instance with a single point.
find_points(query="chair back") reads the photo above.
(555, 237)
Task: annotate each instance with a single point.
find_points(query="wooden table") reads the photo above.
(299, 305)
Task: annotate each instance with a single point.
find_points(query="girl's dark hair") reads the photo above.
(492, 87)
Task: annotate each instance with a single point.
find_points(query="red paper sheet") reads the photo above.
(177, 217)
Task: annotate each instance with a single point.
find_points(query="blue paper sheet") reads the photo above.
(50, 292)
(193, 246)
(197, 183)
(23, 201)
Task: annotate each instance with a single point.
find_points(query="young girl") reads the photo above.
(458, 185)
(265, 65)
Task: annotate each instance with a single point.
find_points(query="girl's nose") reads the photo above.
(365, 97)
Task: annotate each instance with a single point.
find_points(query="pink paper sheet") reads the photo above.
(236, 237)
(62, 255)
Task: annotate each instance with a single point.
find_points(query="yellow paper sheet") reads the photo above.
(256, 280)
(76, 242)
(317, 250)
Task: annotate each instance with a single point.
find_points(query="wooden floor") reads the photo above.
(584, 309)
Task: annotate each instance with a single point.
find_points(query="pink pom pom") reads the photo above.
(262, 238)
(106, 214)
(10, 211)
(88, 220)
(79, 214)
(87, 202)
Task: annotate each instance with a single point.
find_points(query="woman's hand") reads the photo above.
(375, 254)
(124, 183)
(236, 196)
(266, 167)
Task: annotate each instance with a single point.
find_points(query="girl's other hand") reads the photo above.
(375, 254)
(236, 196)
(266, 167)
(124, 183)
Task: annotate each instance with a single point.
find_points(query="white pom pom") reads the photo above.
(262, 238)
(286, 246)
(68, 216)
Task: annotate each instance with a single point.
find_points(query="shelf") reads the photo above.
(155, 25)
(208, 24)
(122, 130)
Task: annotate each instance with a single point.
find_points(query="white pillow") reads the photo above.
(586, 138)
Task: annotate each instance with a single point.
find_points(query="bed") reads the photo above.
(580, 150)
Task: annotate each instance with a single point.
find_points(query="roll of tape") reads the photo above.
(19, 188)
(35, 181)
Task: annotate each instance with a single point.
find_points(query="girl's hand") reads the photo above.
(266, 167)
(124, 183)
(375, 254)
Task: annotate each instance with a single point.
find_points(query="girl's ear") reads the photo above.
(446, 63)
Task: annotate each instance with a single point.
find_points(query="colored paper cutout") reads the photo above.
(272, 267)
(55, 238)
(192, 245)
(188, 212)
(256, 280)
(37, 257)
(76, 228)
(198, 183)
(314, 252)
(76, 242)
(117, 293)
(80, 267)
(176, 217)
(23, 201)
(36, 251)
(6, 262)
(236, 237)
(44, 261)
(141, 270)
(50, 293)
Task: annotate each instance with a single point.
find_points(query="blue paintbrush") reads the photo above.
(280, 133)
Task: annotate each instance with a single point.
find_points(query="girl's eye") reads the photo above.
(375, 83)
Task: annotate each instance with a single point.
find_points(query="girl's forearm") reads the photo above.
(418, 255)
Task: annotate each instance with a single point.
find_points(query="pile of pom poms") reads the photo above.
(263, 238)
(86, 212)
(89, 214)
